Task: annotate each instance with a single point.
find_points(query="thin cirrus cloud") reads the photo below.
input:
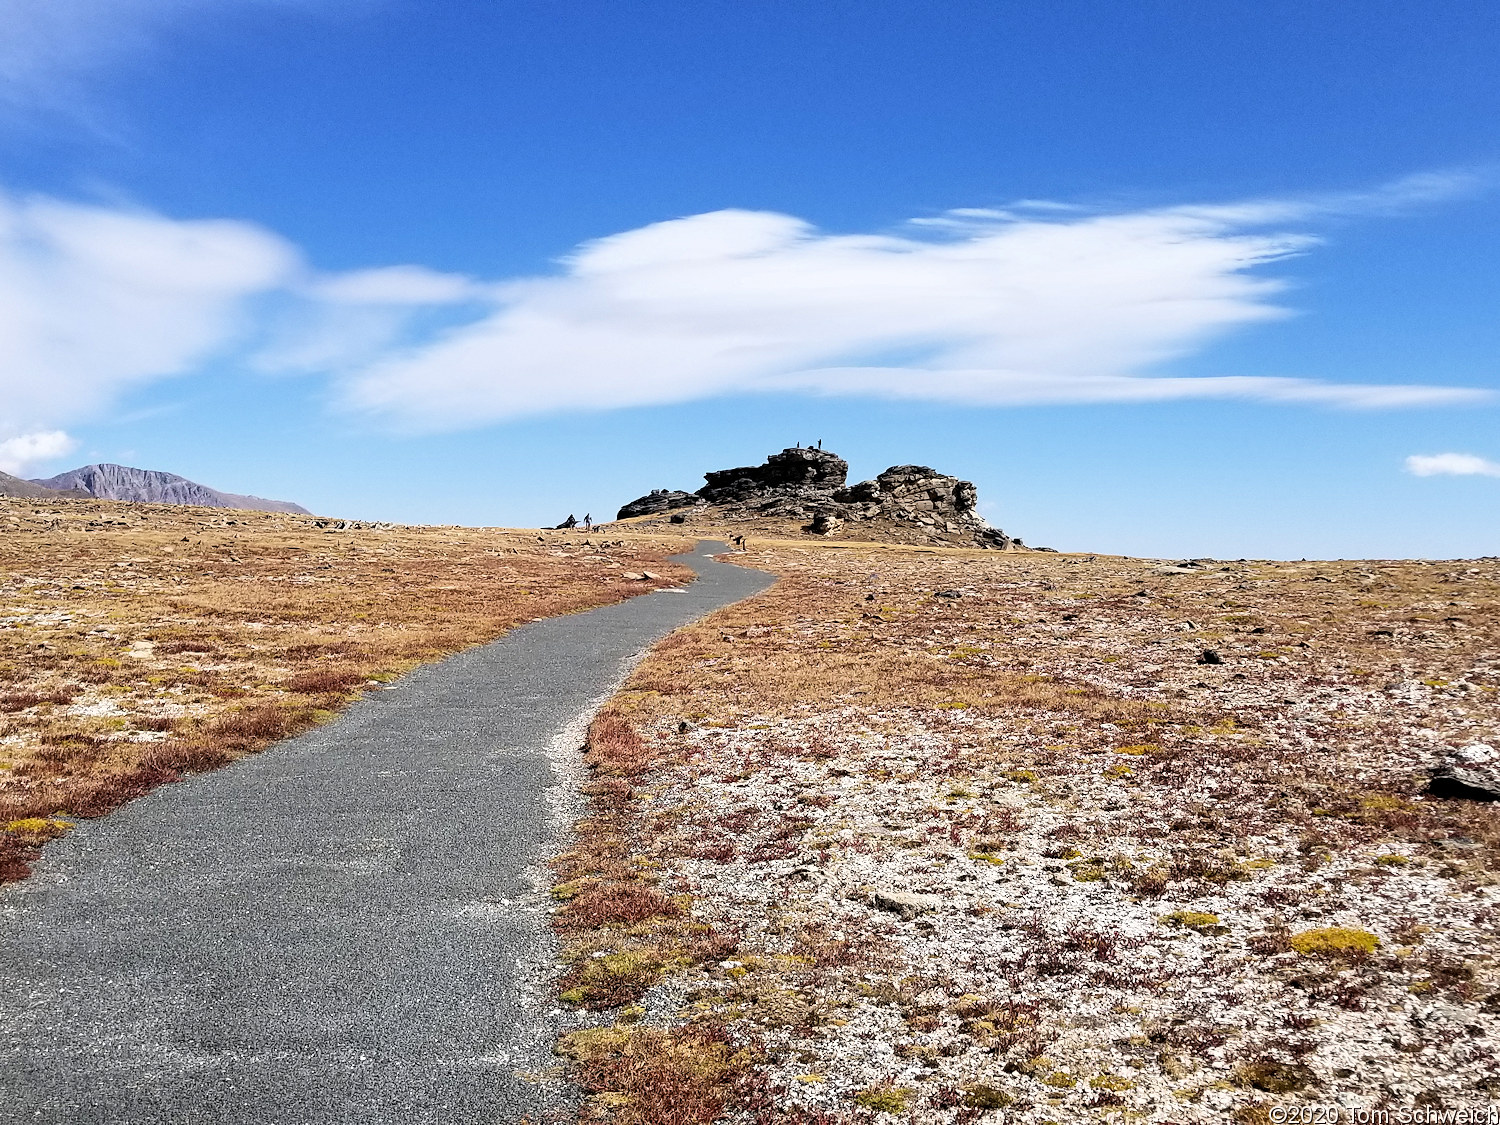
(1451, 465)
(1036, 303)
(51, 50)
(95, 301)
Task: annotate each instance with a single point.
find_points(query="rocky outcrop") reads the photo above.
(792, 471)
(121, 482)
(655, 502)
(810, 486)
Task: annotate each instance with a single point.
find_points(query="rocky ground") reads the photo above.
(949, 836)
(139, 640)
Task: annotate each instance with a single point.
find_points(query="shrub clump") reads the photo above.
(884, 1099)
(609, 981)
(36, 830)
(1274, 1077)
(1191, 920)
(644, 1075)
(615, 904)
(986, 1097)
(1335, 941)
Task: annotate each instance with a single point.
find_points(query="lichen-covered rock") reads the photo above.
(655, 502)
(1472, 773)
(905, 903)
(798, 469)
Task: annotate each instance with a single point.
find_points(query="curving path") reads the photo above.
(344, 929)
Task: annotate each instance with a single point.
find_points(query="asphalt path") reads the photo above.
(349, 927)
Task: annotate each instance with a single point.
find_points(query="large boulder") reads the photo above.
(1472, 773)
(655, 502)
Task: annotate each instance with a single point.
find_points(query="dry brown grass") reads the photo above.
(141, 641)
(645, 1076)
(620, 932)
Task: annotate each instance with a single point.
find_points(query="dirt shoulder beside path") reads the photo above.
(139, 642)
(957, 836)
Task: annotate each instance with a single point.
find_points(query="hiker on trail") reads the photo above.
(588, 522)
(567, 523)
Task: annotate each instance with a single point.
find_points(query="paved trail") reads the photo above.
(341, 929)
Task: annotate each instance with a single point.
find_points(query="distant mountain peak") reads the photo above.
(15, 486)
(150, 486)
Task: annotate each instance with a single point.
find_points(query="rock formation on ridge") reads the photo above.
(906, 503)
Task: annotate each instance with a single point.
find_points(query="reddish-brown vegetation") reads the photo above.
(138, 642)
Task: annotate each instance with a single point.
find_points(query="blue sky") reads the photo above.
(1161, 278)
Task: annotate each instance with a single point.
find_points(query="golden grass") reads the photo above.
(139, 641)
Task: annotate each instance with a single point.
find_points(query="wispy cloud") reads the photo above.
(95, 300)
(51, 49)
(1025, 304)
(1451, 465)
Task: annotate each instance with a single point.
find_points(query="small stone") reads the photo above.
(1210, 656)
(905, 903)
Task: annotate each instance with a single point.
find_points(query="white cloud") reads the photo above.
(94, 300)
(395, 285)
(18, 454)
(1451, 465)
(1027, 304)
(979, 306)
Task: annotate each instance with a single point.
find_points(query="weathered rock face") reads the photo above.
(809, 484)
(790, 470)
(121, 482)
(655, 502)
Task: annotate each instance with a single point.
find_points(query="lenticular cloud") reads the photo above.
(979, 307)
(1038, 304)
